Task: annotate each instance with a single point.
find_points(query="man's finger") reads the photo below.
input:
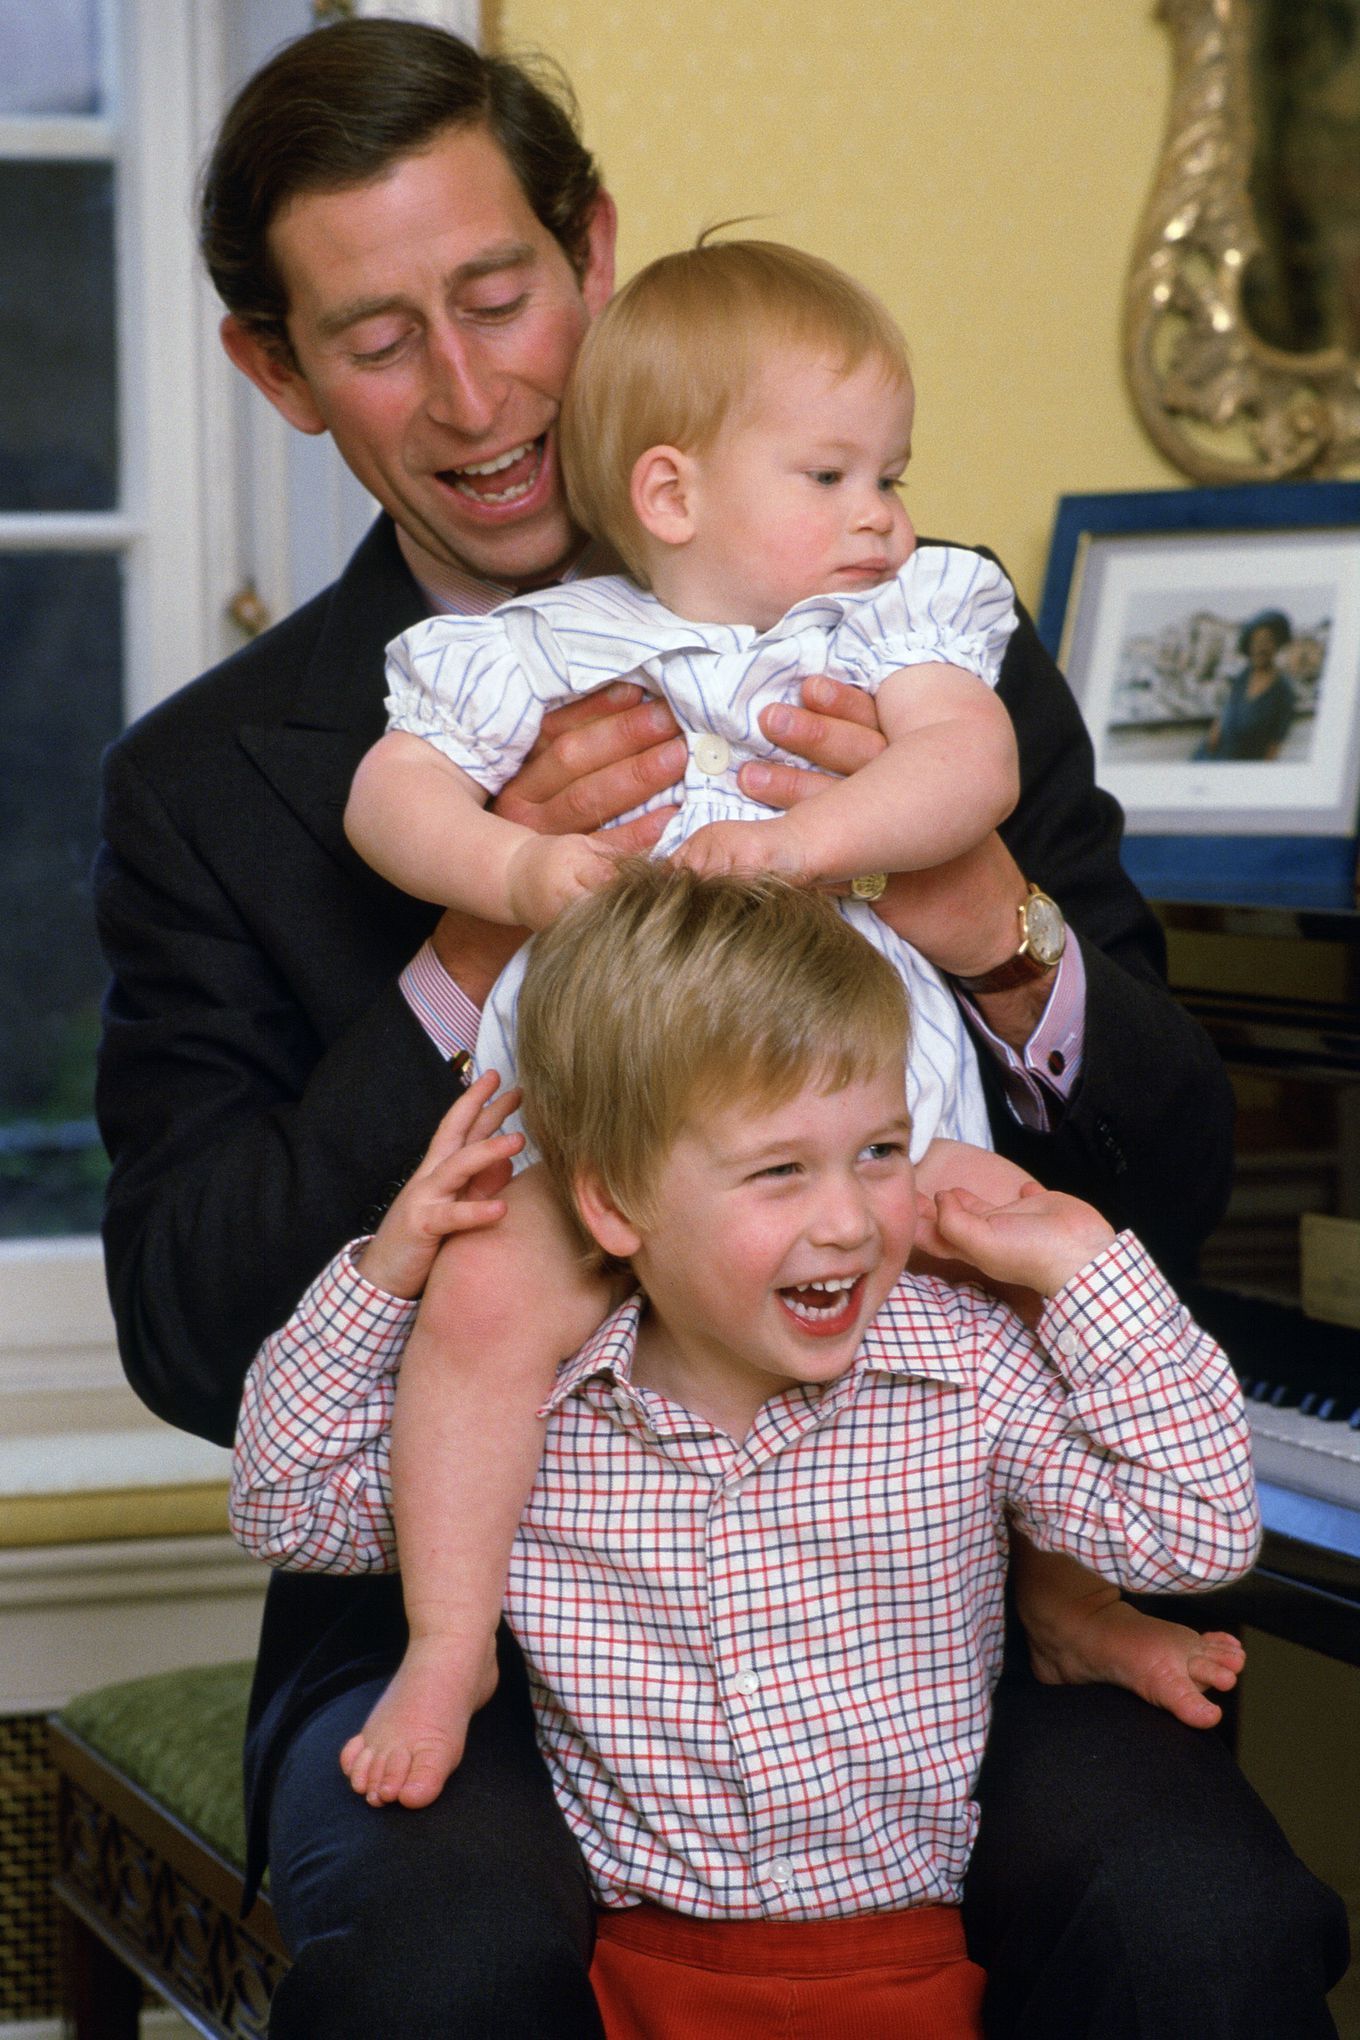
(832, 743)
(578, 751)
(635, 838)
(779, 786)
(583, 805)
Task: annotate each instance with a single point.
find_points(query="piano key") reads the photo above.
(1304, 1453)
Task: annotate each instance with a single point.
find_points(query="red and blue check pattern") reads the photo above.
(763, 1670)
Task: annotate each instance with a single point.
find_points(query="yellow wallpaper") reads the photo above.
(982, 167)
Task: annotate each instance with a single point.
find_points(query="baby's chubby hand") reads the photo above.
(1040, 1240)
(546, 873)
(455, 1189)
(744, 846)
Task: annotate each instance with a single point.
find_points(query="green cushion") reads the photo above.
(179, 1736)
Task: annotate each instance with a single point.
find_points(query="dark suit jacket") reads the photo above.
(263, 1086)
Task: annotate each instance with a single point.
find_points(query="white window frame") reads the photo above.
(216, 492)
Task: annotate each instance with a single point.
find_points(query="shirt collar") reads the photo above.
(461, 593)
(914, 1335)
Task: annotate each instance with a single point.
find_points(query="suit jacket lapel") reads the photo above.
(334, 709)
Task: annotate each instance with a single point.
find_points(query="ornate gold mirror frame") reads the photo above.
(1220, 402)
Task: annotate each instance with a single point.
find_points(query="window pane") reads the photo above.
(58, 389)
(50, 56)
(61, 688)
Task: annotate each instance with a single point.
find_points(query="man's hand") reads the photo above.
(592, 761)
(961, 915)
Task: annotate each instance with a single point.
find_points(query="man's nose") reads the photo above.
(462, 391)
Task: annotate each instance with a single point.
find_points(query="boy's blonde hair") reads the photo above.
(667, 995)
(675, 352)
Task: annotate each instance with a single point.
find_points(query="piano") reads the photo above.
(1279, 992)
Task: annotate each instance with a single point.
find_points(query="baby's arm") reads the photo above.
(948, 775)
(422, 822)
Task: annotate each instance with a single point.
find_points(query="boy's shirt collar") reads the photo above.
(914, 1335)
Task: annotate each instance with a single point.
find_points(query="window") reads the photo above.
(103, 547)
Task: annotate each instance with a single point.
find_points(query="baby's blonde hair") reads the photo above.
(667, 996)
(675, 352)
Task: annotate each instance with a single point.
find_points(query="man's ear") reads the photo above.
(662, 491)
(264, 363)
(597, 278)
(611, 1230)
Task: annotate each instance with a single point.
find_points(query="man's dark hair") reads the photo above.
(340, 106)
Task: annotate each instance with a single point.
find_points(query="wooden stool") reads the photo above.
(151, 1854)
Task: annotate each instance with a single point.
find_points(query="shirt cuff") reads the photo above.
(440, 1004)
(1040, 1078)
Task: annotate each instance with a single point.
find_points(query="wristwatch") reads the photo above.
(1043, 937)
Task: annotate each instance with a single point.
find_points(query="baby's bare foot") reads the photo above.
(1168, 1664)
(414, 1737)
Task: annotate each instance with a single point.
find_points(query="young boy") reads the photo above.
(759, 1579)
(737, 427)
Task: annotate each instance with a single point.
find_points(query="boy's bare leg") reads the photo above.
(1079, 1629)
(501, 1309)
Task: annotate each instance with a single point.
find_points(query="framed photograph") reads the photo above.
(1212, 639)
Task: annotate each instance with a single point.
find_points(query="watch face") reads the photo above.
(1045, 929)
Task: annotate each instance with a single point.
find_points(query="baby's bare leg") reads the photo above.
(502, 1308)
(1080, 1630)
(1081, 1633)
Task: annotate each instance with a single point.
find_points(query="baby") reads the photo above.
(737, 426)
(758, 1581)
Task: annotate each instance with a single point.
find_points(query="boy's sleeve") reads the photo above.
(1119, 1432)
(310, 1487)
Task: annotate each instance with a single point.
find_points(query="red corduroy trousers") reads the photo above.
(880, 1976)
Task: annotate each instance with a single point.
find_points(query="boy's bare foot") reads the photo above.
(1100, 1639)
(414, 1737)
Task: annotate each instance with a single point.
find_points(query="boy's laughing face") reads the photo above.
(775, 1235)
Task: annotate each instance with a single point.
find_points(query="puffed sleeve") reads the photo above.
(477, 688)
(945, 605)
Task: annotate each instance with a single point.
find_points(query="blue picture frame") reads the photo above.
(1314, 867)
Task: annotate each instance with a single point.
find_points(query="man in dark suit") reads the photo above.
(411, 241)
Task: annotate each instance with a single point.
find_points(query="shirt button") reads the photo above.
(1069, 1345)
(746, 1682)
(622, 1401)
(781, 1872)
(1057, 1061)
(712, 754)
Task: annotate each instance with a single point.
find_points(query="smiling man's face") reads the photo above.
(434, 321)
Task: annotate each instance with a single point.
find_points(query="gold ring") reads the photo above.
(870, 885)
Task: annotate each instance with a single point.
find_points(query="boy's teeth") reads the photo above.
(817, 1299)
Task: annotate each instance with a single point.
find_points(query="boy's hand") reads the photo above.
(455, 1189)
(1040, 1240)
(743, 846)
(546, 873)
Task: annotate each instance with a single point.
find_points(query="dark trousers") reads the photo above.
(1127, 1884)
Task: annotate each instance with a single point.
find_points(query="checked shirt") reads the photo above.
(763, 1670)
